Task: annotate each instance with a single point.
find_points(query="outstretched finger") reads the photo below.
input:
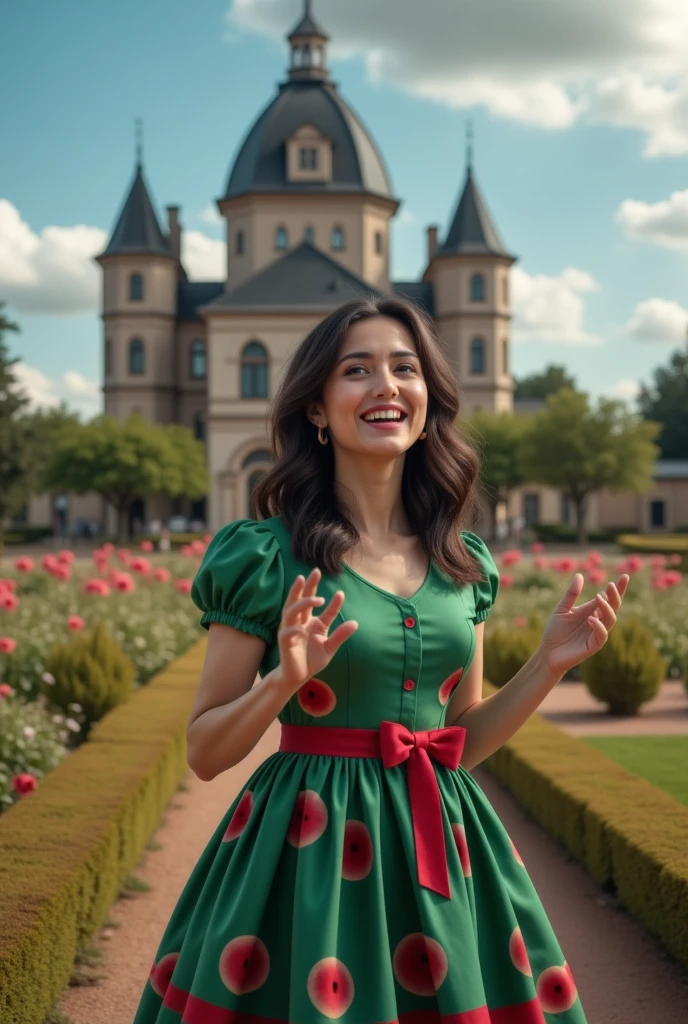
(340, 634)
(330, 613)
(297, 610)
(571, 593)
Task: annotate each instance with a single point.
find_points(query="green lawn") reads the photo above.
(662, 760)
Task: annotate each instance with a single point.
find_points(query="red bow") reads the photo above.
(398, 744)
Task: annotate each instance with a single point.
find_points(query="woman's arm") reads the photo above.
(491, 721)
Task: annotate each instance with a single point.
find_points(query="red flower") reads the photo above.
(125, 583)
(123, 555)
(62, 571)
(520, 620)
(511, 557)
(8, 602)
(7, 645)
(97, 586)
(66, 557)
(141, 565)
(183, 586)
(597, 576)
(49, 563)
(6, 691)
(24, 784)
(540, 563)
(537, 547)
(162, 575)
(146, 545)
(506, 579)
(24, 564)
(75, 622)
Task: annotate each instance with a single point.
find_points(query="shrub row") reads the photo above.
(656, 544)
(627, 833)
(66, 849)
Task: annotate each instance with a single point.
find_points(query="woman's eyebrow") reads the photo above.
(405, 353)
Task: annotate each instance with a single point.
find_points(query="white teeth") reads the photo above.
(386, 414)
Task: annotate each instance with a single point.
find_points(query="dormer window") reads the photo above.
(309, 155)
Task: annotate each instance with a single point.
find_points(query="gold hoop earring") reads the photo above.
(322, 438)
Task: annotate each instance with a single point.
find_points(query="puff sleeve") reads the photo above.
(240, 581)
(484, 592)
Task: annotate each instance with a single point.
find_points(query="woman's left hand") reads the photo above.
(575, 633)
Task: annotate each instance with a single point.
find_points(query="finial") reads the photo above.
(138, 131)
(307, 7)
(469, 145)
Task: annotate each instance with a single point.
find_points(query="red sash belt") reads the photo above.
(393, 744)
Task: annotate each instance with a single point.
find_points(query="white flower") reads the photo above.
(71, 724)
(74, 707)
(58, 719)
(64, 735)
(139, 641)
(47, 678)
(29, 731)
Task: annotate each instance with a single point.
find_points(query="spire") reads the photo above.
(308, 50)
(472, 230)
(138, 133)
(137, 230)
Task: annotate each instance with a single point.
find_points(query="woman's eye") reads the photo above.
(405, 366)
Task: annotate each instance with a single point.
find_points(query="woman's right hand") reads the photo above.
(304, 645)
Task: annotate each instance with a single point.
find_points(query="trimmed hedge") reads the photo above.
(66, 850)
(627, 833)
(655, 544)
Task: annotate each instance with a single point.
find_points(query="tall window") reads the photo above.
(262, 455)
(378, 242)
(505, 355)
(197, 368)
(239, 242)
(477, 355)
(531, 508)
(657, 513)
(309, 235)
(136, 287)
(281, 238)
(254, 371)
(505, 291)
(199, 426)
(337, 241)
(108, 357)
(477, 288)
(308, 158)
(136, 357)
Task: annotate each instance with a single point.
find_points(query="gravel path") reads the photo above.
(570, 706)
(623, 975)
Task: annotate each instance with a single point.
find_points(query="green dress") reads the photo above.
(305, 906)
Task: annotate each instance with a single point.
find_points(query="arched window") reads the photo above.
(306, 55)
(262, 455)
(108, 357)
(250, 487)
(199, 426)
(296, 57)
(477, 288)
(505, 355)
(477, 355)
(197, 368)
(309, 235)
(254, 371)
(318, 56)
(281, 238)
(136, 357)
(337, 241)
(136, 287)
(378, 242)
(239, 242)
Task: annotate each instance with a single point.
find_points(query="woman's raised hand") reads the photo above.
(304, 645)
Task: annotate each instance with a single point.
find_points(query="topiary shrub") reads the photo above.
(628, 671)
(506, 649)
(91, 675)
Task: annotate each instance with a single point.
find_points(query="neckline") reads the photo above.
(389, 593)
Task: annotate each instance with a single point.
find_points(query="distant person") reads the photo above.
(164, 543)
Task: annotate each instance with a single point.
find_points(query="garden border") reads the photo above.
(66, 850)
(627, 833)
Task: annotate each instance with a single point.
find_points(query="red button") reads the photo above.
(410, 622)
(409, 684)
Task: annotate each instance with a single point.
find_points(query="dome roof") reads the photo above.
(261, 165)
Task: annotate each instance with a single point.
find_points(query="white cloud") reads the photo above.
(204, 259)
(658, 320)
(50, 273)
(211, 215)
(550, 309)
(80, 394)
(626, 388)
(664, 223)
(536, 61)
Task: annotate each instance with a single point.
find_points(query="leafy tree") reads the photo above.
(123, 461)
(667, 403)
(498, 436)
(580, 450)
(540, 385)
(15, 442)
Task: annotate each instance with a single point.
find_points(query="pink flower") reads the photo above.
(540, 563)
(595, 558)
(97, 586)
(108, 548)
(24, 784)
(658, 581)
(634, 563)
(6, 691)
(520, 620)
(123, 555)
(49, 563)
(147, 546)
(75, 622)
(184, 585)
(141, 565)
(674, 559)
(125, 583)
(658, 561)
(162, 575)
(565, 564)
(62, 571)
(506, 579)
(7, 645)
(536, 547)
(8, 602)
(198, 547)
(186, 550)
(23, 563)
(672, 578)
(66, 557)
(511, 557)
(597, 576)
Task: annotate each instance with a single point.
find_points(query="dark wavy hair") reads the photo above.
(439, 488)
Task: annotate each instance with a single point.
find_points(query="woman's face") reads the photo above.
(377, 368)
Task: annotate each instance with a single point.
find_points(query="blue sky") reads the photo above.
(581, 152)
